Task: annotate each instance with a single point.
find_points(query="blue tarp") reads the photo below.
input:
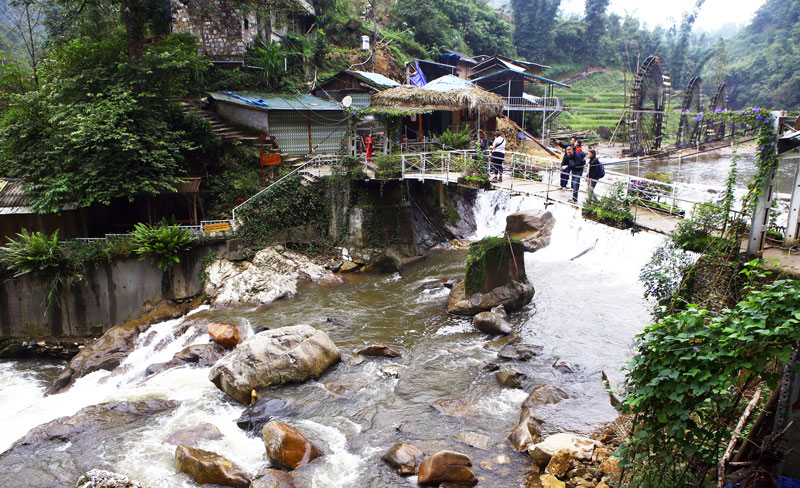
(448, 83)
(418, 78)
(260, 103)
(378, 79)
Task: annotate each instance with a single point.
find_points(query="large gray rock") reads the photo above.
(274, 357)
(495, 275)
(203, 355)
(273, 273)
(580, 447)
(532, 227)
(59, 452)
(529, 428)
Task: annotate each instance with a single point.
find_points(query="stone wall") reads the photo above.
(114, 293)
(223, 31)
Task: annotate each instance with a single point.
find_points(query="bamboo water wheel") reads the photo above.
(690, 129)
(648, 99)
(715, 131)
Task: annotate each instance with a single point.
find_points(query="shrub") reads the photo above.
(43, 258)
(613, 209)
(162, 244)
(389, 166)
(664, 274)
(457, 139)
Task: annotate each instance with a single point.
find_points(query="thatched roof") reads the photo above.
(411, 97)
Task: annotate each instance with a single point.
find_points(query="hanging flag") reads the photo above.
(416, 76)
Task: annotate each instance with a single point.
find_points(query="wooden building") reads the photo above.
(358, 85)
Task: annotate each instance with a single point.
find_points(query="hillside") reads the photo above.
(604, 92)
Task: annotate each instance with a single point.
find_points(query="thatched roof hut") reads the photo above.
(410, 97)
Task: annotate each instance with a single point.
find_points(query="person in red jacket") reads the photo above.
(368, 143)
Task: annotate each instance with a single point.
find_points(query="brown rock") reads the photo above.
(379, 350)
(475, 439)
(107, 352)
(543, 395)
(609, 467)
(190, 436)
(286, 447)
(550, 481)
(405, 458)
(226, 335)
(203, 355)
(559, 463)
(208, 468)
(510, 378)
(348, 267)
(602, 484)
(273, 478)
(491, 323)
(528, 431)
(446, 467)
(455, 407)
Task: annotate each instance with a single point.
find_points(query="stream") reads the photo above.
(586, 312)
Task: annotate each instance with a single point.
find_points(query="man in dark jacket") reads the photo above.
(566, 162)
(576, 169)
(595, 170)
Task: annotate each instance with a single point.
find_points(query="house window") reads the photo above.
(246, 24)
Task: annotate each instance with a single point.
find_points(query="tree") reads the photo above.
(594, 18)
(26, 19)
(679, 67)
(534, 21)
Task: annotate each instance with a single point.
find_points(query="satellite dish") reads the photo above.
(347, 101)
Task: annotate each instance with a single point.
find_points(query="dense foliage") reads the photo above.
(613, 209)
(163, 244)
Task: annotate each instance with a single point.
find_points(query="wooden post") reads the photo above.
(310, 147)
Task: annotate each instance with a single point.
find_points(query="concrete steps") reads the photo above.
(225, 131)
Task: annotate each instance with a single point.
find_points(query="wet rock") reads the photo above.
(511, 378)
(609, 467)
(446, 467)
(286, 447)
(274, 357)
(392, 371)
(550, 481)
(436, 284)
(203, 355)
(349, 267)
(107, 352)
(532, 227)
(476, 440)
(455, 407)
(208, 468)
(500, 311)
(528, 430)
(345, 388)
(563, 367)
(580, 447)
(75, 444)
(559, 463)
(273, 273)
(273, 478)
(190, 436)
(405, 458)
(350, 359)
(379, 350)
(544, 395)
(491, 323)
(48, 348)
(495, 275)
(519, 352)
(98, 478)
(226, 335)
(502, 341)
(613, 381)
(263, 411)
(388, 261)
(490, 367)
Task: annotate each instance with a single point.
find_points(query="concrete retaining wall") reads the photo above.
(114, 293)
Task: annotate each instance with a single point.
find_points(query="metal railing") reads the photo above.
(537, 103)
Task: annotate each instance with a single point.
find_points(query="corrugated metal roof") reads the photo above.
(189, 185)
(527, 75)
(277, 101)
(12, 192)
(447, 83)
(376, 78)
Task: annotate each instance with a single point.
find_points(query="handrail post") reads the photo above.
(402, 166)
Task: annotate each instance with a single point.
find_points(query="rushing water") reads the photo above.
(585, 312)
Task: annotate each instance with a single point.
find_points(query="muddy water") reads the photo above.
(585, 312)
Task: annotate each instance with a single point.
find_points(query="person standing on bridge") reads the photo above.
(576, 169)
(498, 155)
(566, 162)
(596, 170)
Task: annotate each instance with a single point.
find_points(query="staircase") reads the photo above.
(225, 131)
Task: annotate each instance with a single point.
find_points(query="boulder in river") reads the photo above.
(580, 447)
(208, 468)
(286, 447)
(446, 467)
(528, 430)
(190, 436)
(491, 323)
(75, 444)
(405, 458)
(203, 355)
(379, 350)
(543, 395)
(511, 378)
(273, 273)
(274, 357)
(107, 352)
(495, 276)
(273, 478)
(455, 407)
(532, 228)
(226, 335)
(263, 411)
(519, 352)
(98, 478)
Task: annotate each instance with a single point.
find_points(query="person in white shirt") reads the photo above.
(498, 156)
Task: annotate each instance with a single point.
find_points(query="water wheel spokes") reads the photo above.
(690, 127)
(715, 131)
(647, 107)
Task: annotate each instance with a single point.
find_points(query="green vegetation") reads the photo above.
(457, 138)
(603, 91)
(389, 166)
(483, 253)
(162, 244)
(613, 209)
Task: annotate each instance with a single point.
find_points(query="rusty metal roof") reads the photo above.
(189, 185)
(12, 197)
